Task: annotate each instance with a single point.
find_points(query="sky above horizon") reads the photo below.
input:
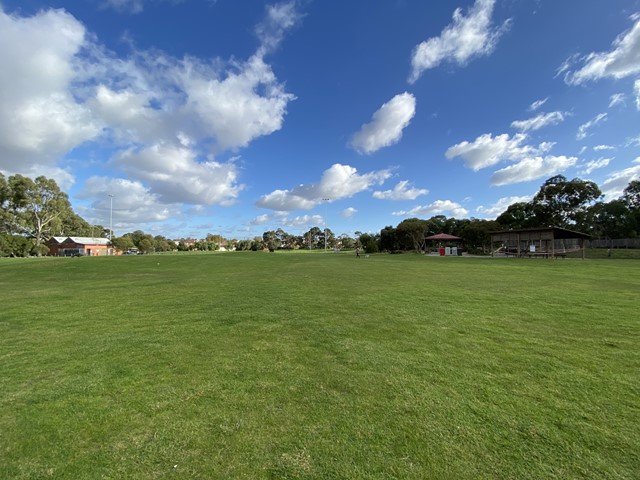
(233, 118)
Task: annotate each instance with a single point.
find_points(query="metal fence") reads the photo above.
(614, 243)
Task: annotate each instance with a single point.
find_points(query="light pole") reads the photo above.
(110, 218)
(326, 200)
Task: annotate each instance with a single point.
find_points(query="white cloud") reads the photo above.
(386, 125)
(592, 165)
(175, 175)
(487, 150)
(539, 121)
(633, 142)
(348, 212)
(532, 168)
(537, 104)
(338, 181)
(35, 81)
(133, 203)
(279, 19)
(468, 36)
(616, 182)
(583, 129)
(600, 148)
(402, 191)
(129, 6)
(438, 207)
(303, 221)
(501, 206)
(636, 91)
(621, 61)
(616, 99)
(260, 220)
(164, 117)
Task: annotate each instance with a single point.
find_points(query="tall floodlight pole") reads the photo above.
(326, 200)
(110, 218)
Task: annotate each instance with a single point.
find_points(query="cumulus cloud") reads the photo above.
(493, 211)
(35, 80)
(487, 150)
(539, 121)
(622, 60)
(175, 175)
(438, 207)
(165, 118)
(616, 182)
(532, 168)
(468, 36)
(338, 181)
(348, 212)
(592, 165)
(402, 191)
(585, 127)
(537, 104)
(302, 221)
(133, 203)
(260, 220)
(386, 125)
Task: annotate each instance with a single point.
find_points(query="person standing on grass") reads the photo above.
(357, 252)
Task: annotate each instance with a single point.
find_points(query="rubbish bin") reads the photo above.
(447, 251)
(442, 251)
(454, 251)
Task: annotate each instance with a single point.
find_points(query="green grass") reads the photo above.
(256, 365)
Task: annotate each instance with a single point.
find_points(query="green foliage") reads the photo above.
(15, 245)
(389, 239)
(411, 234)
(564, 203)
(37, 207)
(369, 242)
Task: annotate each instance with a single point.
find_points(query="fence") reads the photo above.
(614, 243)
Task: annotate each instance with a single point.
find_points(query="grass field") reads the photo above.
(257, 366)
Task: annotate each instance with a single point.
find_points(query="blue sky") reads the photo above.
(236, 117)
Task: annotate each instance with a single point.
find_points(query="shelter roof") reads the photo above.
(443, 236)
(558, 232)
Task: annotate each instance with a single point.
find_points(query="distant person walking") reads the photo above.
(357, 252)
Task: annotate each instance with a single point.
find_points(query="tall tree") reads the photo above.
(518, 215)
(5, 214)
(389, 239)
(39, 207)
(411, 234)
(631, 195)
(564, 203)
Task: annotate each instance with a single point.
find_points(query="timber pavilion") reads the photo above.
(547, 242)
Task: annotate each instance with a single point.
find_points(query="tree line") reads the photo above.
(34, 210)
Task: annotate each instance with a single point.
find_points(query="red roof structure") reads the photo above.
(443, 237)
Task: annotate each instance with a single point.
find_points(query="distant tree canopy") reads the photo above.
(31, 211)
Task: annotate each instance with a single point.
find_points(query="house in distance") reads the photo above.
(79, 247)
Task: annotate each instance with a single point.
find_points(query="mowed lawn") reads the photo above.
(257, 365)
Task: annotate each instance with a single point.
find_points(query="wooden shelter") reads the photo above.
(547, 242)
(442, 238)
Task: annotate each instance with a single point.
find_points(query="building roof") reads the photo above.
(559, 233)
(57, 239)
(443, 236)
(88, 240)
